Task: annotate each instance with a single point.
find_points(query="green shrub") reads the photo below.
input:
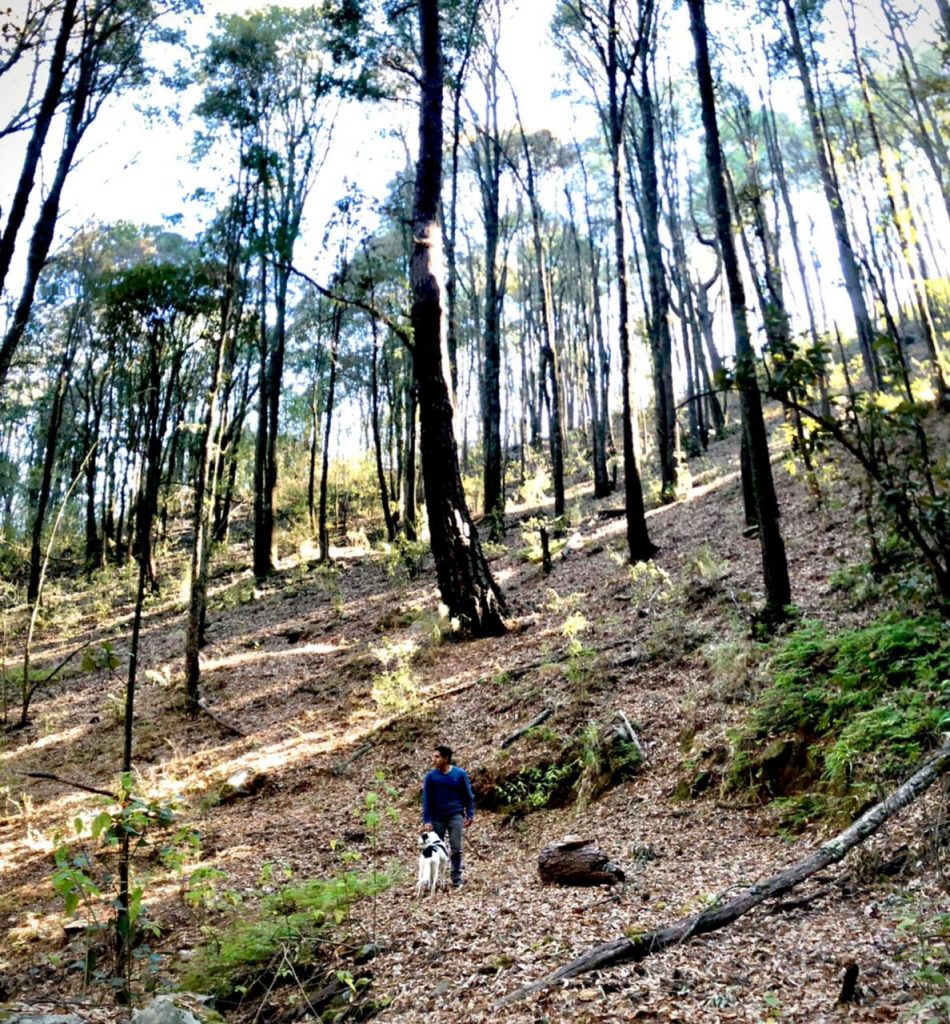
(927, 952)
(848, 711)
(285, 933)
(545, 785)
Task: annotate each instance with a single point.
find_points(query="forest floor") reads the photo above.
(293, 665)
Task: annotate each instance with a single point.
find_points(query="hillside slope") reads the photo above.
(300, 669)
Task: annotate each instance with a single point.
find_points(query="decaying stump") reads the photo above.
(577, 861)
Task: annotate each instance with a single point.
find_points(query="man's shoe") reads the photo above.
(457, 883)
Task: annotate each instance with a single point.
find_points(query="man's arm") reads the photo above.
(426, 819)
(468, 796)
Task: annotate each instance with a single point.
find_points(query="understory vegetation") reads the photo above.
(845, 714)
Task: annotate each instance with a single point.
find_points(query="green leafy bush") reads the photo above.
(281, 938)
(545, 785)
(848, 711)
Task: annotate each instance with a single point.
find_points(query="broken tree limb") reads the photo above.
(624, 950)
(341, 768)
(70, 782)
(232, 730)
(576, 861)
(518, 733)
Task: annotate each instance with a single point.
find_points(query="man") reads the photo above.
(448, 805)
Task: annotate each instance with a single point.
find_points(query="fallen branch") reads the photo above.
(518, 733)
(232, 730)
(624, 950)
(69, 782)
(355, 756)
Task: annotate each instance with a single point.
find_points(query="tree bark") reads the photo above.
(377, 436)
(49, 461)
(577, 862)
(323, 532)
(661, 343)
(465, 582)
(639, 545)
(774, 563)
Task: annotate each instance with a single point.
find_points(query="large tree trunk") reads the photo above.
(465, 582)
(661, 343)
(487, 152)
(774, 563)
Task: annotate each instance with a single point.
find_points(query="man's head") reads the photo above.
(442, 758)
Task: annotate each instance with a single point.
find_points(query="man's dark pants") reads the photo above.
(454, 826)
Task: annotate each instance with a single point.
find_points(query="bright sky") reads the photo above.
(139, 171)
(131, 169)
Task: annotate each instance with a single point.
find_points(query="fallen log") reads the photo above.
(577, 861)
(625, 950)
(534, 723)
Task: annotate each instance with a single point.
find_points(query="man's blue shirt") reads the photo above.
(445, 794)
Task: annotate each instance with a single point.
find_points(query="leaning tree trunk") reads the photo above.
(77, 118)
(465, 582)
(52, 95)
(774, 563)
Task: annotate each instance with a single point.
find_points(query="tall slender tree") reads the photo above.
(774, 562)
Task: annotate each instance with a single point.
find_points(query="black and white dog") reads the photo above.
(433, 855)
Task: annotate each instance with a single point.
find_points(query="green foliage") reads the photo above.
(848, 710)
(287, 930)
(650, 585)
(535, 788)
(292, 925)
(406, 558)
(532, 551)
(603, 762)
(581, 658)
(927, 933)
(86, 879)
(396, 690)
(99, 657)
